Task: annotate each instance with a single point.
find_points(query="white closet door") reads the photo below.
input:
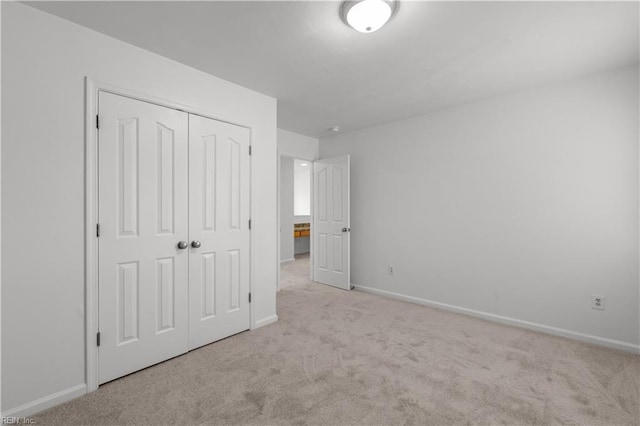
(331, 222)
(143, 214)
(219, 195)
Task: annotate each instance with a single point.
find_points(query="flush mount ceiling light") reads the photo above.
(367, 16)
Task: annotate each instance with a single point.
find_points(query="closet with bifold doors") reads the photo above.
(174, 233)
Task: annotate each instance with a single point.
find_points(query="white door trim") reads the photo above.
(92, 87)
(279, 213)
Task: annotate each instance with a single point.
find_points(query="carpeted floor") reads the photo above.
(296, 274)
(338, 357)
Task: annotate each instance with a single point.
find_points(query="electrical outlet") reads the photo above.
(597, 302)
(391, 270)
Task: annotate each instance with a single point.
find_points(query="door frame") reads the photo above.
(92, 87)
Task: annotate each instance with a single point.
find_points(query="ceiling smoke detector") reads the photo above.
(367, 16)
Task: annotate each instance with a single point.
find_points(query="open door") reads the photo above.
(331, 224)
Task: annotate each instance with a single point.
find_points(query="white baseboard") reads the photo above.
(575, 335)
(33, 407)
(266, 321)
(288, 260)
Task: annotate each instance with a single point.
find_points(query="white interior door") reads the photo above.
(143, 209)
(219, 200)
(331, 223)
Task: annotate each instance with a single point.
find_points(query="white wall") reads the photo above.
(286, 209)
(521, 207)
(45, 60)
(295, 145)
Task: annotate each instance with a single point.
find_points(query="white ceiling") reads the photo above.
(432, 55)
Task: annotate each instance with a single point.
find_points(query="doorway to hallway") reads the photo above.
(295, 220)
(314, 205)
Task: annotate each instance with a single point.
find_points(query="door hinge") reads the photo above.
(249, 223)
(97, 121)
(98, 338)
(249, 297)
(249, 149)
(98, 230)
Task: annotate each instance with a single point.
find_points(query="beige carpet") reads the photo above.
(339, 357)
(295, 274)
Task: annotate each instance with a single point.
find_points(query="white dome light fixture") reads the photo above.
(367, 16)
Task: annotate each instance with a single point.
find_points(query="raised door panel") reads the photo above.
(166, 182)
(234, 184)
(337, 191)
(208, 286)
(165, 294)
(208, 183)
(127, 177)
(321, 251)
(337, 264)
(128, 313)
(322, 202)
(233, 280)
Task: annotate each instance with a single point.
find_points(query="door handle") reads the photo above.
(195, 244)
(346, 229)
(182, 245)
